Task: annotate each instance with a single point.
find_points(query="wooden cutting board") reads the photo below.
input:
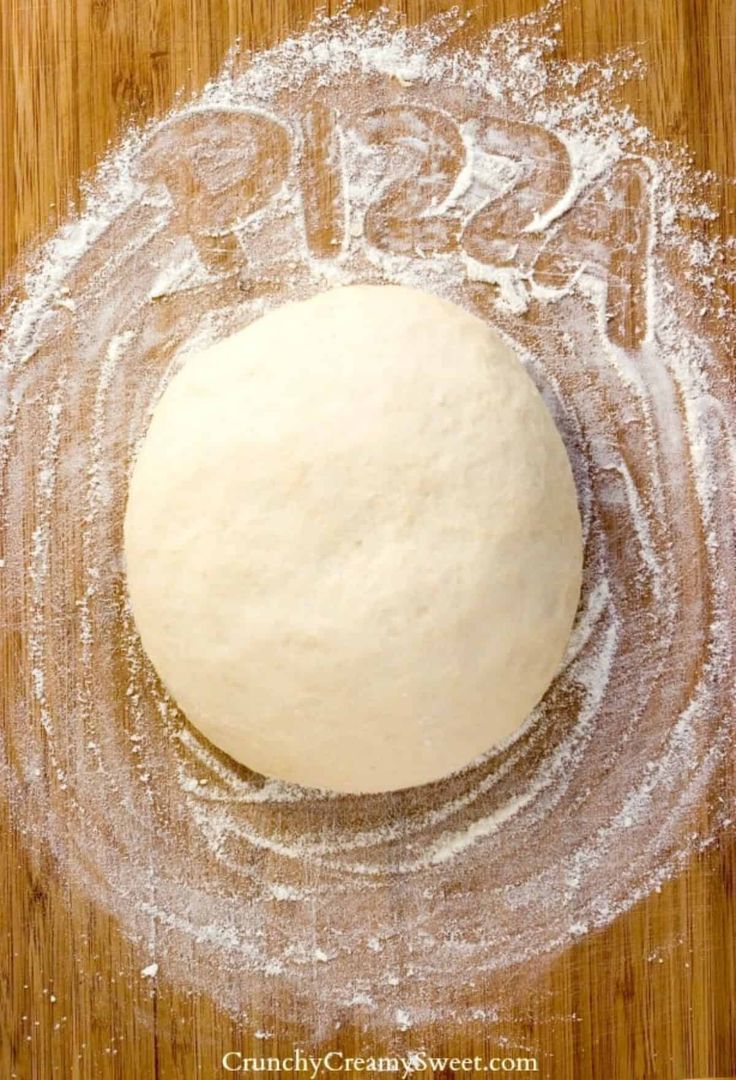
(653, 995)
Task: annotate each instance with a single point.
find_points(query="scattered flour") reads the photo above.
(508, 181)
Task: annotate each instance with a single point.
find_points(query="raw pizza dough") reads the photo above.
(353, 543)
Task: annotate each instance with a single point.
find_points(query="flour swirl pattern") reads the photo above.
(362, 151)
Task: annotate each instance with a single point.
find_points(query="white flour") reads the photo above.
(507, 181)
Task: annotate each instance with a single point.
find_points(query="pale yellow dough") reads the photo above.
(353, 543)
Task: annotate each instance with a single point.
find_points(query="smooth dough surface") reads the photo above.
(352, 540)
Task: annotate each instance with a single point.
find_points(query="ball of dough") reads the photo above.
(353, 543)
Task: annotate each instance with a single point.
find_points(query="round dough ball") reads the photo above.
(353, 544)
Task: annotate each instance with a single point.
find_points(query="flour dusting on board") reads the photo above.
(508, 181)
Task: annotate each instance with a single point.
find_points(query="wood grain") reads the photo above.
(652, 996)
